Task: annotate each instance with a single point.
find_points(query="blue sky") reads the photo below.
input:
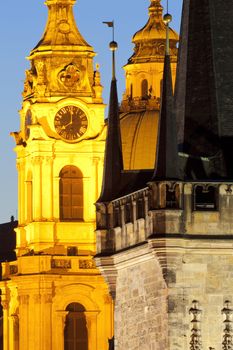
(21, 26)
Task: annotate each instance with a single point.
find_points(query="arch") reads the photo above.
(71, 193)
(78, 292)
(144, 89)
(84, 295)
(75, 331)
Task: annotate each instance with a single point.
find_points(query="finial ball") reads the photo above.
(113, 46)
(167, 18)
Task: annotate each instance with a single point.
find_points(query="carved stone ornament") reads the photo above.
(24, 299)
(13, 269)
(107, 299)
(36, 79)
(37, 298)
(5, 304)
(87, 264)
(227, 343)
(64, 27)
(41, 72)
(47, 298)
(195, 342)
(61, 264)
(228, 189)
(70, 76)
(28, 83)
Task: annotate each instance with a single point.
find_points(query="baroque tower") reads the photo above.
(53, 296)
(142, 97)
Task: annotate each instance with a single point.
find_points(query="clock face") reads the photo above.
(70, 123)
(28, 121)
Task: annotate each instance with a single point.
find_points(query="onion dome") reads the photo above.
(150, 40)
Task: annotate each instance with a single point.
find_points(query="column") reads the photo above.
(36, 161)
(188, 188)
(96, 179)
(29, 200)
(24, 322)
(47, 188)
(59, 326)
(34, 324)
(56, 198)
(92, 329)
(21, 191)
(5, 305)
(14, 332)
(46, 322)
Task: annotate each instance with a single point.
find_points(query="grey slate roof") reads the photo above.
(204, 94)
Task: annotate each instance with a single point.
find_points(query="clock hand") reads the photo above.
(71, 121)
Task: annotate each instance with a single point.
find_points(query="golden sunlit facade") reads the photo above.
(53, 296)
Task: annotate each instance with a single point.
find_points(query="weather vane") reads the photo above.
(113, 47)
(111, 25)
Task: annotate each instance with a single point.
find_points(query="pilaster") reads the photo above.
(37, 186)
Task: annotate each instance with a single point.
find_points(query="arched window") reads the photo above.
(71, 194)
(75, 332)
(144, 87)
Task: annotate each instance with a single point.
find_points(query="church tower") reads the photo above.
(142, 97)
(53, 296)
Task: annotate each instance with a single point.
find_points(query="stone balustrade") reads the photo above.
(164, 207)
(48, 264)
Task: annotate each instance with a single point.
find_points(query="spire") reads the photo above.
(156, 10)
(166, 165)
(62, 61)
(206, 52)
(113, 162)
(61, 30)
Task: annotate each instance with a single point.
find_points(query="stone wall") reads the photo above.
(156, 286)
(196, 270)
(141, 302)
(170, 270)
